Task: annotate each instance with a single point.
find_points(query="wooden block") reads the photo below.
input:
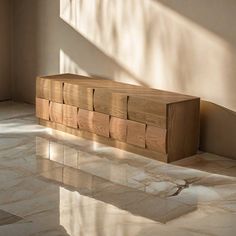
(79, 96)
(101, 124)
(136, 133)
(147, 110)
(43, 88)
(51, 87)
(42, 108)
(56, 91)
(85, 100)
(80, 92)
(183, 129)
(156, 139)
(70, 115)
(94, 122)
(111, 103)
(56, 112)
(85, 120)
(114, 101)
(118, 129)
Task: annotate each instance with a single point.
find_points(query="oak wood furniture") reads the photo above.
(159, 124)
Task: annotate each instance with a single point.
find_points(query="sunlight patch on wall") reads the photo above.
(110, 28)
(158, 46)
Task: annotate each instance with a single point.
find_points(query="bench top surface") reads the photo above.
(109, 86)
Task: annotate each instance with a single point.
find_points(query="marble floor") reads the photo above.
(55, 184)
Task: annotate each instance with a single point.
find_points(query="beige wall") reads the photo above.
(5, 79)
(185, 46)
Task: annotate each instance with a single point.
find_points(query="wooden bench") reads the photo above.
(155, 123)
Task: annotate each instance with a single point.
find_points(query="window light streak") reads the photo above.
(158, 46)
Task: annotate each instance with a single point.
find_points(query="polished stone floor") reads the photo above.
(55, 184)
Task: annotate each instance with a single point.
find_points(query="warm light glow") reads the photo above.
(157, 47)
(80, 214)
(18, 128)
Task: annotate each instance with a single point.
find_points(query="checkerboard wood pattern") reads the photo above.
(159, 124)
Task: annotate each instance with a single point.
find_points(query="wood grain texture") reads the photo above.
(51, 87)
(85, 120)
(136, 133)
(155, 121)
(42, 108)
(106, 141)
(112, 103)
(147, 110)
(156, 139)
(183, 129)
(56, 112)
(43, 88)
(153, 103)
(118, 129)
(101, 124)
(80, 92)
(79, 96)
(57, 91)
(70, 116)
(93, 122)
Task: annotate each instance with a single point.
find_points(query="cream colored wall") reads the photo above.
(5, 79)
(185, 46)
(138, 41)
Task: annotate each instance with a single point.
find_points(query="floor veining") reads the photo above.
(52, 183)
